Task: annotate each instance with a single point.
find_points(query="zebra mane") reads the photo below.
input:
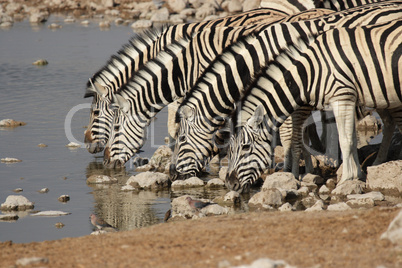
(158, 64)
(286, 57)
(111, 69)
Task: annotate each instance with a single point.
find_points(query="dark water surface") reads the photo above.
(43, 97)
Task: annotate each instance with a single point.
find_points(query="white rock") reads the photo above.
(161, 158)
(376, 196)
(141, 24)
(69, 20)
(73, 145)
(234, 6)
(51, 213)
(100, 179)
(188, 183)
(310, 200)
(265, 263)
(349, 187)
(312, 178)
(270, 197)
(128, 188)
(324, 190)
(250, 4)
(11, 123)
(204, 11)
(214, 209)
(188, 12)
(215, 183)
(161, 15)
(43, 190)
(311, 186)
(330, 184)
(104, 24)
(38, 17)
(177, 6)
(31, 261)
(222, 173)
(386, 178)
(232, 196)
(17, 202)
(394, 231)
(303, 191)
(149, 180)
(338, 207)
(64, 198)
(286, 207)
(318, 206)
(284, 180)
(181, 208)
(85, 22)
(54, 26)
(361, 203)
(10, 160)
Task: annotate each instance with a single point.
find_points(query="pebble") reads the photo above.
(149, 180)
(101, 179)
(69, 20)
(11, 123)
(215, 183)
(59, 225)
(31, 261)
(64, 198)
(10, 160)
(188, 183)
(53, 26)
(43, 190)
(285, 207)
(18, 190)
(73, 145)
(318, 206)
(338, 207)
(42, 145)
(104, 24)
(85, 22)
(51, 213)
(41, 62)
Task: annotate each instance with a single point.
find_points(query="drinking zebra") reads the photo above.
(140, 49)
(347, 69)
(165, 79)
(213, 98)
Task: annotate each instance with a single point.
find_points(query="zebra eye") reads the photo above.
(246, 147)
(182, 138)
(96, 112)
(116, 128)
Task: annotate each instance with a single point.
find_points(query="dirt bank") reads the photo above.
(317, 239)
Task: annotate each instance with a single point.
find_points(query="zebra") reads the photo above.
(140, 49)
(225, 80)
(163, 80)
(344, 68)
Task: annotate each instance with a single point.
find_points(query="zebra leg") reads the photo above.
(389, 126)
(285, 133)
(344, 112)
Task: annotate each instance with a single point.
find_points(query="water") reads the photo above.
(43, 96)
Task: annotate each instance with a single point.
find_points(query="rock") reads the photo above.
(250, 4)
(188, 183)
(331, 184)
(269, 197)
(38, 17)
(204, 11)
(144, 168)
(318, 206)
(139, 24)
(104, 24)
(53, 26)
(69, 20)
(128, 188)
(51, 213)
(324, 190)
(8, 217)
(31, 261)
(232, 196)
(303, 191)
(161, 158)
(6, 24)
(18, 190)
(386, 178)
(215, 183)
(73, 145)
(187, 12)
(376, 196)
(85, 22)
(177, 6)
(285, 207)
(59, 225)
(311, 178)
(100, 179)
(181, 208)
(266, 263)
(234, 6)
(64, 198)
(17, 202)
(222, 173)
(349, 187)
(284, 180)
(394, 231)
(161, 15)
(361, 203)
(42, 145)
(310, 200)
(338, 207)
(312, 187)
(10, 160)
(11, 123)
(214, 209)
(140, 161)
(149, 180)
(43, 190)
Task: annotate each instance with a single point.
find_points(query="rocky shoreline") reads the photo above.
(138, 14)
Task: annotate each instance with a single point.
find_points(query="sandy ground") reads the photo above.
(303, 239)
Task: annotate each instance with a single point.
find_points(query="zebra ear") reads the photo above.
(120, 103)
(256, 118)
(186, 113)
(95, 88)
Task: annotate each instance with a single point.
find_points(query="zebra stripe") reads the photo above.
(225, 80)
(166, 79)
(343, 68)
(140, 49)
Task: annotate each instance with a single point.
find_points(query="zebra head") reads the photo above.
(98, 130)
(249, 153)
(127, 135)
(196, 142)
